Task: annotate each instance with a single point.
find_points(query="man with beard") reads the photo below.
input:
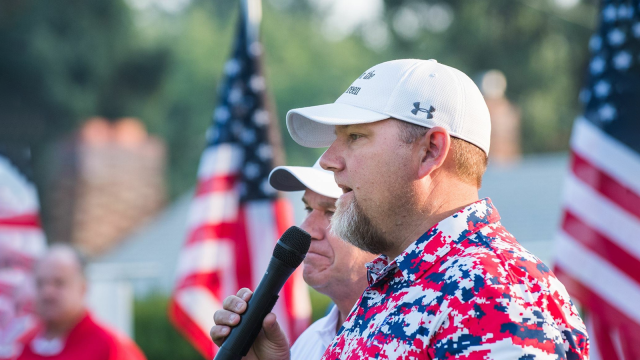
(69, 331)
(408, 144)
(332, 267)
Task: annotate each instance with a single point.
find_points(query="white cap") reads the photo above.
(422, 92)
(298, 178)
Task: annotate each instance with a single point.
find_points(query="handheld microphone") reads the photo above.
(287, 256)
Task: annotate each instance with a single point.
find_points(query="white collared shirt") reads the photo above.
(314, 341)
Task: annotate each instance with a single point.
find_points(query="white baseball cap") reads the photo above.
(298, 178)
(422, 92)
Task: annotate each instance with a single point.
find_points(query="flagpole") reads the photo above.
(252, 10)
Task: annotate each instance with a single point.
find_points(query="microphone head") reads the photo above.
(292, 246)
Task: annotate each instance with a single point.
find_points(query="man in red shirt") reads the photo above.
(69, 331)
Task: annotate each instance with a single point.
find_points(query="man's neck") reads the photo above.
(419, 221)
(347, 297)
(62, 328)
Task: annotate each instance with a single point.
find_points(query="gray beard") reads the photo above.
(350, 223)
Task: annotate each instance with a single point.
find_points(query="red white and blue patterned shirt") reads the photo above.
(466, 289)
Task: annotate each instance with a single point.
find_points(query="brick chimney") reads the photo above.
(107, 180)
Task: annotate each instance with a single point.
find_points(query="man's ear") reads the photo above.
(434, 147)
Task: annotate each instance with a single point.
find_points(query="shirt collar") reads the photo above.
(436, 242)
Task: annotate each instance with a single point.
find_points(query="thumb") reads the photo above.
(273, 332)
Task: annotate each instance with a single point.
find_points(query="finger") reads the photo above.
(273, 332)
(219, 333)
(224, 317)
(244, 294)
(234, 304)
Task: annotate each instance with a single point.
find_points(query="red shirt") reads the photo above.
(88, 340)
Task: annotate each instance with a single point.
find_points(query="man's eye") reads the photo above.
(328, 213)
(308, 209)
(354, 137)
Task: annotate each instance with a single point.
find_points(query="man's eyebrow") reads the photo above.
(305, 201)
(345, 127)
(328, 204)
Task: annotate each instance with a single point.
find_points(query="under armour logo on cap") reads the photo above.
(417, 108)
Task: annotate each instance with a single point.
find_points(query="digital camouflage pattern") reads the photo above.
(466, 289)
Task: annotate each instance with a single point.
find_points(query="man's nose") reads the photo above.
(312, 226)
(331, 160)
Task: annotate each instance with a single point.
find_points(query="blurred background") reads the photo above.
(112, 99)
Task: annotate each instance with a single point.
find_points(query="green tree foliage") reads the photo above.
(66, 60)
(541, 49)
(156, 336)
(159, 340)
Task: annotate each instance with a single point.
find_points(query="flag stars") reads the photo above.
(602, 89)
(248, 136)
(607, 113)
(232, 67)
(255, 49)
(597, 65)
(609, 13)
(264, 152)
(636, 30)
(595, 43)
(235, 95)
(622, 60)
(221, 114)
(616, 37)
(625, 11)
(261, 117)
(267, 188)
(257, 83)
(251, 170)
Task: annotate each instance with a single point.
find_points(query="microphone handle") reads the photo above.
(262, 301)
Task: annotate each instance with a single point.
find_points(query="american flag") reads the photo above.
(236, 217)
(22, 242)
(598, 257)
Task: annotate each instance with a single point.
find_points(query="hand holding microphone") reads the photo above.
(245, 327)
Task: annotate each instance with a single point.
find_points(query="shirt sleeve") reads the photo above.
(497, 326)
(123, 348)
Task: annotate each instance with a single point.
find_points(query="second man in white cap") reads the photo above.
(332, 266)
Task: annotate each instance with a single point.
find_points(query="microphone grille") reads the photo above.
(292, 246)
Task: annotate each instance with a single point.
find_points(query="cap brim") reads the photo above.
(298, 178)
(314, 126)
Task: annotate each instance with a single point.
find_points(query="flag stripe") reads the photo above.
(188, 327)
(214, 208)
(593, 301)
(602, 334)
(605, 185)
(601, 245)
(608, 282)
(24, 220)
(607, 154)
(205, 256)
(225, 158)
(216, 184)
(594, 349)
(212, 231)
(602, 215)
(244, 263)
